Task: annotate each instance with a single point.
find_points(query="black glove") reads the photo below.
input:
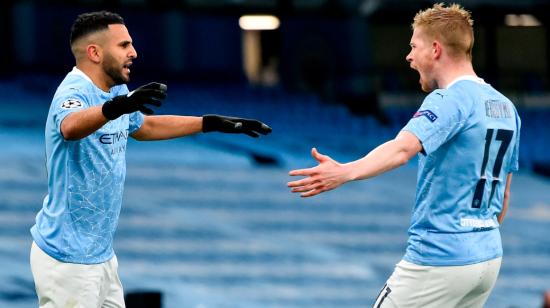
(149, 94)
(217, 123)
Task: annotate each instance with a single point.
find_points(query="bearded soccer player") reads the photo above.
(90, 118)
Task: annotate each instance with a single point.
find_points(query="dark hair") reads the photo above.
(92, 22)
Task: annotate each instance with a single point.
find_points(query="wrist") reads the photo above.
(109, 111)
(350, 172)
(210, 123)
(114, 108)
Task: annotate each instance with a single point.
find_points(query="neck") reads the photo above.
(454, 69)
(96, 75)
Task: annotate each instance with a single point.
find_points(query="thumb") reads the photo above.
(318, 156)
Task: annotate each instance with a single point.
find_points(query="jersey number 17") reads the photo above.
(504, 136)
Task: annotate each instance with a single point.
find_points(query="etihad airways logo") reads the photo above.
(113, 137)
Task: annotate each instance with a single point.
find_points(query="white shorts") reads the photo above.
(413, 285)
(60, 284)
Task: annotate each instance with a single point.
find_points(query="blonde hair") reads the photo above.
(452, 25)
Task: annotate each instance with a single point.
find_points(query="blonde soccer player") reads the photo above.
(466, 135)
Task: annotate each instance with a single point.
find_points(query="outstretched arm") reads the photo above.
(330, 174)
(168, 127)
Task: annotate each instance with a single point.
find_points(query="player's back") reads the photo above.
(462, 175)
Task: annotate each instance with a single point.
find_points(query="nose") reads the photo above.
(408, 57)
(133, 53)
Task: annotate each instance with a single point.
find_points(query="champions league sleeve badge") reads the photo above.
(71, 104)
(426, 113)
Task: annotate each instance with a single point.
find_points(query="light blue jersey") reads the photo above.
(85, 177)
(470, 138)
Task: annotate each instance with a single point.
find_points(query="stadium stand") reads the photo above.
(204, 225)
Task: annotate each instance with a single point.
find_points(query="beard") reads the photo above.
(114, 71)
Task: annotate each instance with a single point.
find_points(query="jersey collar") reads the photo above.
(80, 73)
(466, 77)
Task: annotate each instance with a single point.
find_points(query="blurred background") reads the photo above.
(207, 220)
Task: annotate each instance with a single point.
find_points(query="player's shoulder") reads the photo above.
(463, 92)
(443, 97)
(74, 85)
(447, 102)
(438, 94)
(74, 92)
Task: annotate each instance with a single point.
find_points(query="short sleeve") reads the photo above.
(514, 162)
(136, 120)
(440, 117)
(65, 104)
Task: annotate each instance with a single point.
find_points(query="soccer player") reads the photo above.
(91, 116)
(466, 134)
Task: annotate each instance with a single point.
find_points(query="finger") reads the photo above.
(145, 110)
(150, 93)
(159, 94)
(314, 152)
(251, 133)
(318, 156)
(311, 193)
(304, 172)
(257, 126)
(156, 94)
(305, 188)
(155, 86)
(302, 182)
(265, 129)
(154, 102)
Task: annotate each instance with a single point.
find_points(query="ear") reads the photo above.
(437, 49)
(94, 53)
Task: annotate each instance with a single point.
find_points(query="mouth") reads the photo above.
(126, 67)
